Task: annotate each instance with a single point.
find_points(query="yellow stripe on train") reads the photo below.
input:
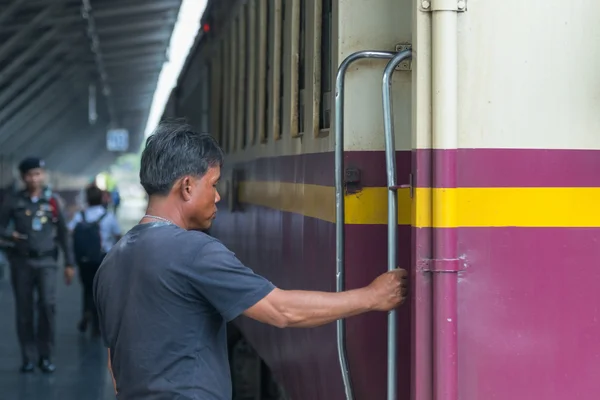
(473, 207)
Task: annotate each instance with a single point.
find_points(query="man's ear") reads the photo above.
(186, 187)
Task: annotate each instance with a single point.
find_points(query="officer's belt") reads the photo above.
(41, 254)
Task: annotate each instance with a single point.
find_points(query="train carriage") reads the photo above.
(492, 128)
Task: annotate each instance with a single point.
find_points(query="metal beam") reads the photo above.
(20, 118)
(137, 7)
(38, 84)
(24, 96)
(143, 76)
(33, 127)
(138, 69)
(135, 91)
(63, 130)
(138, 62)
(8, 45)
(137, 97)
(37, 69)
(151, 39)
(136, 52)
(90, 16)
(17, 62)
(59, 123)
(153, 25)
(10, 10)
(128, 48)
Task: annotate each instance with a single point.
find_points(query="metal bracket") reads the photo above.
(352, 180)
(443, 265)
(404, 65)
(406, 186)
(443, 5)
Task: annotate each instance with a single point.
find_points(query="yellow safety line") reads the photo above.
(473, 207)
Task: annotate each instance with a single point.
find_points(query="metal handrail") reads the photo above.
(390, 164)
(339, 199)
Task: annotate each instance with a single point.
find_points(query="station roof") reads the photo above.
(52, 51)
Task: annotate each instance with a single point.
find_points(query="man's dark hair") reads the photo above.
(173, 151)
(93, 195)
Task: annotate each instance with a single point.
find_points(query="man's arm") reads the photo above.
(63, 236)
(111, 372)
(64, 240)
(234, 289)
(306, 309)
(115, 228)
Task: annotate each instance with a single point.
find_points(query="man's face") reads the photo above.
(204, 198)
(34, 179)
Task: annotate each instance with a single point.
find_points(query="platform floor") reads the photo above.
(81, 361)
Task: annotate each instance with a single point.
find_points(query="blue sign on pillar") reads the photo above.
(117, 140)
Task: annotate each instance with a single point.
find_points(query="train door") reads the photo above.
(395, 60)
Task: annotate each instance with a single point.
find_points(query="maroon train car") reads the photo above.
(492, 157)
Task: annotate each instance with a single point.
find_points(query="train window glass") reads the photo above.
(258, 43)
(281, 65)
(205, 121)
(247, 45)
(301, 65)
(234, 64)
(325, 104)
(269, 67)
(222, 97)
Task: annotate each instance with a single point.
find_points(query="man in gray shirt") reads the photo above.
(165, 292)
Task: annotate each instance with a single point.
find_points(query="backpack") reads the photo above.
(87, 242)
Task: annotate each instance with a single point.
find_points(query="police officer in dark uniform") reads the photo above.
(37, 225)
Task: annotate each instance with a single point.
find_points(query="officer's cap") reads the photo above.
(30, 163)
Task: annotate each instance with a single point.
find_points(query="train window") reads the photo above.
(264, 32)
(281, 64)
(301, 66)
(326, 79)
(225, 106)
(233, 65)
(205, 104)
(270, 49)
(221, 100)
(242, 68)
(248, 44)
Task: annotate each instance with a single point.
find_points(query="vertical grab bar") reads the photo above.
(339, 200)
(390, 164)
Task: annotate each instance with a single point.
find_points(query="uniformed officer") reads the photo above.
(37, 224)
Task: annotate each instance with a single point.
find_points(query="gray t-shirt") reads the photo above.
(164, 296)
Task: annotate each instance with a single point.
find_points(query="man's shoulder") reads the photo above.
(173, 241)
(206, 243)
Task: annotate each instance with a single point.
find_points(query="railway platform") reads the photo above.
(81, 361)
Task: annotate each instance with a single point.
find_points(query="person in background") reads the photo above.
(116, 199)
(33, 220)
(95, 230)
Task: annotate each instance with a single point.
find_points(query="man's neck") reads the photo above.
(34, 193)
(161, 207)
